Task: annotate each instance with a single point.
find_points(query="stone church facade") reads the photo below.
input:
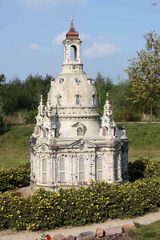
(71, 144)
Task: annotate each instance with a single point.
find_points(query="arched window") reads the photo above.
(77, 81)
(61, 80)
(73, 53)
(44, 133)
(79, 131)
(105, 131)
(93, 99)
(99, 171)
(77, 99)
(38, 129)
(81, 176)
(44, 170)
(61, 170)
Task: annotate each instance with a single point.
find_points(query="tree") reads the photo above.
(144, 73)
(24, 96)
(2, 81)
(103, 85)
(2, 78)
(123, 107)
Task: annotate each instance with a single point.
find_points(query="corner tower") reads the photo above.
(71, 145)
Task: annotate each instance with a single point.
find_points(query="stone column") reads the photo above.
(92, 166)
(120, 167)
(53, 170)
(75, 169)
(78, 53)
(111, 158)
(49, 170)
(38, 169)
(56, 171)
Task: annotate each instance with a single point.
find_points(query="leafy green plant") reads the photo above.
(78, 206)
(2, 125)
(14, 177)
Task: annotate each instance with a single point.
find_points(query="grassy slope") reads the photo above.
(149, 232)
(144, 141)
(14, 145)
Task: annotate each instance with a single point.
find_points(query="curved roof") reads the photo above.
(72, 34)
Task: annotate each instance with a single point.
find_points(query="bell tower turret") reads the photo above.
(72, 51)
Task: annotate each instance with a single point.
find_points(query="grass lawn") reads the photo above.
(144, 141)
(148, 232)
(14, 145)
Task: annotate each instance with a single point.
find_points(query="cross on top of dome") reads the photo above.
(72, 34)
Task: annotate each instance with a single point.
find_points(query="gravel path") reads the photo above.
(23, 235)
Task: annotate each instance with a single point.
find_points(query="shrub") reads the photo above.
(2, 125)
(15, 177)
(31, 117)
(137, 168)
(78, 206)
(152, 169)
(143, 168)
(94, 203)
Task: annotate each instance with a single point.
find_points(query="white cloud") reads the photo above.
(59, 38)
(100, 49)
(40, 3)
(85, 37)
(34, 47)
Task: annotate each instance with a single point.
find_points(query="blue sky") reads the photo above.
(31, 32)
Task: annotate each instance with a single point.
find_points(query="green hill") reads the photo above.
(14, 145)
(144, 141)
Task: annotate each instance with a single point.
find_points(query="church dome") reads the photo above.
(73, 90)
(72, 34)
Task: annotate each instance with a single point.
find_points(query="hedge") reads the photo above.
(14, 177)
(95, 203)
(78, 206)
(143, 168)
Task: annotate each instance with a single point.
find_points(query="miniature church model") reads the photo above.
(71, 144)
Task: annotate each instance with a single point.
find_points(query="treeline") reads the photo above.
(19, 99)
(121, 97)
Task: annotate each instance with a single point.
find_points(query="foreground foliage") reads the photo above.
(79, 206)
(14, 177)
(143, 168)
